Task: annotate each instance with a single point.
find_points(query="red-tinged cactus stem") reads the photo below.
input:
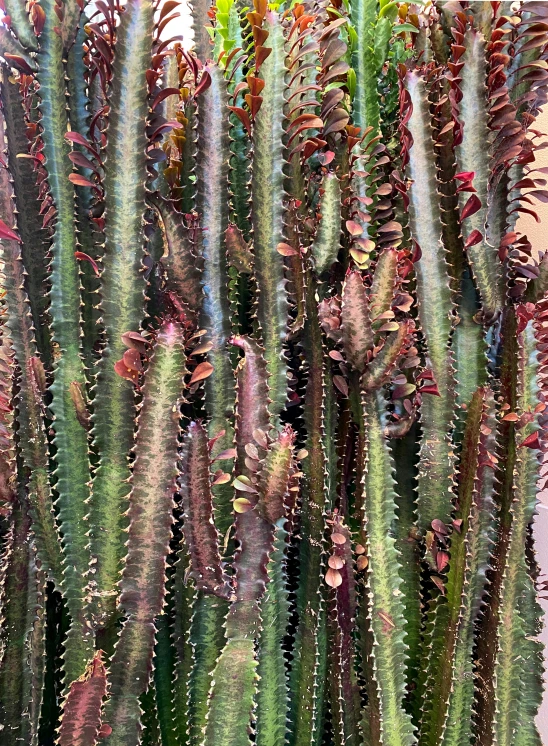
(81, 718)
(29, 408)
(142, 587)
(518, 677)
(340, 575)
(308, 671)
(22, 631)
(122, 300)
(385, 606)
(267, 181)
(435, 305)
(450, 686)
(201, 535)
(70, 441)
(21, 24)
(212, 205)
(229, 717)
(473, 156)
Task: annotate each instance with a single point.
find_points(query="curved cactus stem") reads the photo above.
(473, 155)
(82, 713)
(267, 180)
(384, 580)
(70, 441)
(142, 587)
(212, 199)
(32, 440)
(436, 467)
(229, 717)
(517, 694)
(122, 277)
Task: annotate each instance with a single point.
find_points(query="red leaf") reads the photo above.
(341, 384)
(163, 95)
(474, 238)
(86, 258)
(286, 250)
(465, 176)
(204, 370)
(80, 180)
(471, 207)
(7, 233)
(203, 85)
(531, 441)
(19, 62)
(243, 116)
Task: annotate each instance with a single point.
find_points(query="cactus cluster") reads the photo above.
(273, 373)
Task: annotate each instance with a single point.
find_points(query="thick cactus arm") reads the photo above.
(515, 693)
(435, 303)
(22, 633)
(384, 580)
(450, 690)
(142, 587)
(29, 407)
(212, 205)
(328, 238)
(82, 714)
(308, 672)
(29, 220)
(267, 216)
(473, 156)
(122, 278)
(201, 535)
(21, 24)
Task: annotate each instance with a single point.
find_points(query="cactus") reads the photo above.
(272, 373)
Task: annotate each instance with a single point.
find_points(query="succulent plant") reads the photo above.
(273, 375)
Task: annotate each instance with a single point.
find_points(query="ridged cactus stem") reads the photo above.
(32, 440)
(384, 580)
(150, 517)
(436, 312)
(268, 214)
(122, 280)
(212, 205)
(71, 440)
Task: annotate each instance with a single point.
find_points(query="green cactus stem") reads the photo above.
(150, 517)
(122, 277)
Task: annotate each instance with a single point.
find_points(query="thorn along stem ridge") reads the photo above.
(272, 373)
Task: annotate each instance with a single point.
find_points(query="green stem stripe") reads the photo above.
(122, 291)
